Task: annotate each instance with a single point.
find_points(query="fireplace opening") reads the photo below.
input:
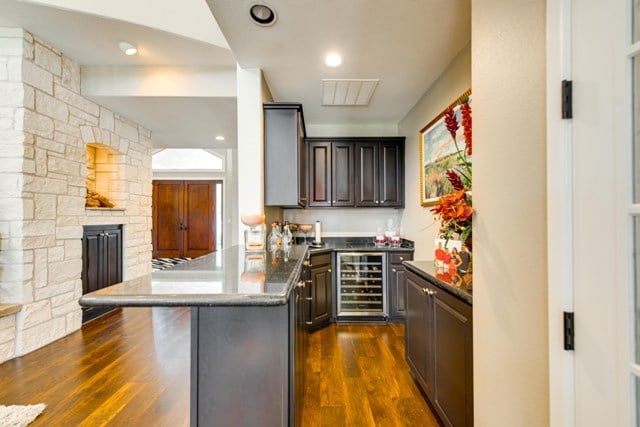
(103, 175)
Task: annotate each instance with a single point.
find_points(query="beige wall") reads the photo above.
(417, 222)
(509, 194)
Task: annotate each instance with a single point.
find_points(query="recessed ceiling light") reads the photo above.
(262, 14)
(220, 138)
(128, 48)
(333, 60)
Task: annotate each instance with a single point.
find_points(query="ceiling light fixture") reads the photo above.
(262, 14)
(333, 60)
(220, 138)
(128, 48)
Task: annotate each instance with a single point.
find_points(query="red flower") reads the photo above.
(465, 110)
(451, 122)
(454, 179)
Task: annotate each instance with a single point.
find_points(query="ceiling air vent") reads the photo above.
(347, 92)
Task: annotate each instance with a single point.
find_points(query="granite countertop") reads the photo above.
(356, 244)
(230, 277)
(427, 270)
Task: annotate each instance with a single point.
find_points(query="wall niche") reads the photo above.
(103, 176)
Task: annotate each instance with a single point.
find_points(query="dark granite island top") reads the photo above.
(231, 277)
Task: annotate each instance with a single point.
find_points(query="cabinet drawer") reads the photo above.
(398, 257)
(320, 259)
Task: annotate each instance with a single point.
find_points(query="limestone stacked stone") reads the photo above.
(45, 126)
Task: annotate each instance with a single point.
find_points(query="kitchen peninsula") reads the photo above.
(247, 330)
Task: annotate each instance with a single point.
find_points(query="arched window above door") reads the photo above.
(187, 159)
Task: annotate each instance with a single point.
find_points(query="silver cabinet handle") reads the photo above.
(329, 270)
(394, 270)
(401, 258)
(308, 323)
(334, 201)
(308, 298)
(300, 284)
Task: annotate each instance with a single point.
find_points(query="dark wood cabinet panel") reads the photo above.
(453, 360)
(391, 176)
(342, 184)
(101, 262)
(439, 349)
(419, 341)
(183, 218)
(367, 186)
(397, 285)
(284, 157)
(319, 165)
(330, 173)
(380, 173)
(321, 295)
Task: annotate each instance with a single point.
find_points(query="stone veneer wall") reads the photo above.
(45, 125)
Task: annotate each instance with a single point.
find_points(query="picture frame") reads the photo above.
(438, 154)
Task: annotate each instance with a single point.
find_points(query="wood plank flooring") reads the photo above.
(131, 368)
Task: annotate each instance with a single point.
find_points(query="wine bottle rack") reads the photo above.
(361, 284)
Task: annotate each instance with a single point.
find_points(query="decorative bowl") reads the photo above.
(252, 219)
(305, 228)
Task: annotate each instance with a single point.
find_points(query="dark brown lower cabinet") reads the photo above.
(321, 292)
(101, 262)
(439, 349)
(397, 284)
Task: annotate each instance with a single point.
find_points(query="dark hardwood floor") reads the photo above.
(131, 368)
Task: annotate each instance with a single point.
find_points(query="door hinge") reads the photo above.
(567, 99)
(569, 329)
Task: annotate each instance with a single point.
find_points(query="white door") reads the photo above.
(605, 212)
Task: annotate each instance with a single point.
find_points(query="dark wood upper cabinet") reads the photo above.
(284, 155)
(380, 173)
(331, 173)
(360, 172)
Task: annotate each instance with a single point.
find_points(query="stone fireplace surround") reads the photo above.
(45, 125)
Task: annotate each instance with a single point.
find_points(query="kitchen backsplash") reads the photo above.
(345, 222)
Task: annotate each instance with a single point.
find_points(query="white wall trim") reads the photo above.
(559, 215)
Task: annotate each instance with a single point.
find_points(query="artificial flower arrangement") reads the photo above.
(455, 209)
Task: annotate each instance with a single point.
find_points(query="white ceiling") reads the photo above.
(404, 43)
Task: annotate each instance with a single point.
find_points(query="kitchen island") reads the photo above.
(247, 330)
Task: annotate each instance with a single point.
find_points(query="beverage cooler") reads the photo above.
(361, 284)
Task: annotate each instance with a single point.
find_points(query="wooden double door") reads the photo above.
(183, 218)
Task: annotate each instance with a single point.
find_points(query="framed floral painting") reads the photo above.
(439, 153)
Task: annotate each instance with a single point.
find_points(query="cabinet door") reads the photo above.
(367, 164)
(91, 262)
(453, 359)
(319, 166)
(284, 172)
(398, 291)
(302, 163)
(419, 339)
(343, 177)
(321, 291)
(111, 247)
(391, 174)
